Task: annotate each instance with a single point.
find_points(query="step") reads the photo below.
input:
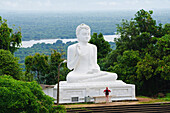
(123, 108)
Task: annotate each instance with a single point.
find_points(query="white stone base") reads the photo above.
(76, 92)
(102, 99)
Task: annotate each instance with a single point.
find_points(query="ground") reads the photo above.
(141, 100)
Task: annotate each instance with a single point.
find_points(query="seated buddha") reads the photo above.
(82, 60)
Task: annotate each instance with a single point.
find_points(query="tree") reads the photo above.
(9, 40)
(26, 97)
(45, 68)
(9, 65)
(29, 74)
(125, 66)
(167, 28)
(55, 59)
(162, 46)
(139, 32)
(154, 68)
(37, 66)
(142, 54)
(103, 47)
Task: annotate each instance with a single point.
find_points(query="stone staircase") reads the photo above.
(139, 108)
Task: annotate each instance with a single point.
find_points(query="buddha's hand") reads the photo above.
(79, 50)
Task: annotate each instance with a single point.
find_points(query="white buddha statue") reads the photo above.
(82, 58)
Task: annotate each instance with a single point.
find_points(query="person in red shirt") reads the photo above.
(107, 94)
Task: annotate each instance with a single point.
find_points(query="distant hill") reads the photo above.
(37, 26)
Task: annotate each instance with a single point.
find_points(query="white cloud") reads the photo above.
(102, 3)
(113, 3)
(80, 5)
(106, 3)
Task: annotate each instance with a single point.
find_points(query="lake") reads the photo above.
(25, 44)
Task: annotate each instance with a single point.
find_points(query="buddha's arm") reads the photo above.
(95, 67)
(72, 58)
(95, 58)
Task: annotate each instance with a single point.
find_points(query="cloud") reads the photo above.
(80, 5)
(106, 3)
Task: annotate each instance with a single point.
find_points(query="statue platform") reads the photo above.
(87, 92)
(86, 82)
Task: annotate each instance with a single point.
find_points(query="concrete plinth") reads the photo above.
(78, 92)
(102, 99)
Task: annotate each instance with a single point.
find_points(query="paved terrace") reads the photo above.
(145, 105)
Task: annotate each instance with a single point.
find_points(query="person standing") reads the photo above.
(107, 91)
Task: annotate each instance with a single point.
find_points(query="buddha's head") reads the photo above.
(83, 33)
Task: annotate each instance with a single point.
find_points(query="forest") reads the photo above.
(36, 26)
(141, 57)
(46, 49)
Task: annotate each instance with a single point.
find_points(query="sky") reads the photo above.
(82, 5)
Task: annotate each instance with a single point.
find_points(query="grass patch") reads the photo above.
(142, 97)
(80, 109)
(60, 109)
(159, 99)
(166, 98)
(152, 101)
(85, 109)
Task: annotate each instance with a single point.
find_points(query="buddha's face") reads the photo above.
(84, 35)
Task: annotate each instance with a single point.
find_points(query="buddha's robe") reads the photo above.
(83, 61)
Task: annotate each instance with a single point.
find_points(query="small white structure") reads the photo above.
(86, 79)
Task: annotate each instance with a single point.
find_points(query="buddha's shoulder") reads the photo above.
(92, 45)
(72, 46)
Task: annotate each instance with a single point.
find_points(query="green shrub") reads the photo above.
(60, 109)
(26, 97)
(9, 65)
(166, 98)
(168, 95)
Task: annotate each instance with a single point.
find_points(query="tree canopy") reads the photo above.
(142, 55)
(44, 68)
(26, 97)
(9, 40)
(9, 65)
(103, 47)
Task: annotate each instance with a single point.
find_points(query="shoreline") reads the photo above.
(30, 43)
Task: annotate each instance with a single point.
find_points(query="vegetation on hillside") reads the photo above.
(43, 48)
(103, 47)
(36, 26)
(9, 65)
(26, 97)
(16, 94)
(46, 49)
(9, 40)
(142, 55)
(43, 68)
(50, 25)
